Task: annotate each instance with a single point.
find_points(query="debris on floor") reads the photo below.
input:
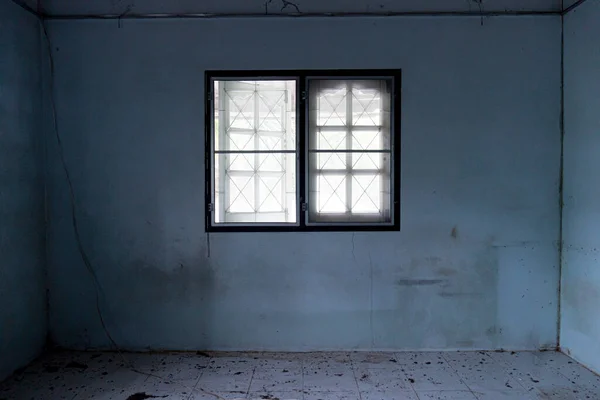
(143, 396)
(76, 365)
(458, 375)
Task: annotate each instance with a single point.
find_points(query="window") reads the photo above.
(302, 150)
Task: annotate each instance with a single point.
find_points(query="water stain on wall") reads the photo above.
(582, 298)
(453, 298)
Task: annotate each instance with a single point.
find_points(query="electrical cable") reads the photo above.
(208, 244)
(74, 221)
(98, 288)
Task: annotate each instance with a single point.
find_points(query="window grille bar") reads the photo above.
(349, 146)
(256, 146)
(350, 151)
(355, 128)
(255, 151)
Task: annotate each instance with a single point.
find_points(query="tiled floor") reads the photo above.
(307, 376)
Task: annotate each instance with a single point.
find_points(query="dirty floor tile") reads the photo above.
(304, 376)
(446, 395)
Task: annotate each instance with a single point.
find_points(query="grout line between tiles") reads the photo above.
(457, 374)
(250, 384)
(397, 356)
(355, 378)
(525, 372)
(302, 377)
(495, 364)
(506, 367)
(558, 371)
(202, 370)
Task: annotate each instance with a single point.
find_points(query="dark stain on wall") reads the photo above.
(445, 271)
(460, 294)
(419, 282)
(454, 232)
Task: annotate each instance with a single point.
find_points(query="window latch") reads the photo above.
(303, 207)
(211, 207)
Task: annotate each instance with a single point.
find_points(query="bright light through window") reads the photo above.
(255, 151)
(350, 151)
(304, 150)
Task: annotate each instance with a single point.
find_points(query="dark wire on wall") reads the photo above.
(73, 205)
(74, 221)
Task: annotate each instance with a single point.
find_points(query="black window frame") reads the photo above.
(302, 76)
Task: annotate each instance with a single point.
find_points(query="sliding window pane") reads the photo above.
(254, 174)
(349, 163)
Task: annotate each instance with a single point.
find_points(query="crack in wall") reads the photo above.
(285, 4)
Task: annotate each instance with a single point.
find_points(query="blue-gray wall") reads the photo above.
(476, 262)
(580, 300)
(22, 227)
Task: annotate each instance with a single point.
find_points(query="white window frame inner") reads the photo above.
(220, 208)
(314, 217)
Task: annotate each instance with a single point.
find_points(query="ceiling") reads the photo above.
(220, 7)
